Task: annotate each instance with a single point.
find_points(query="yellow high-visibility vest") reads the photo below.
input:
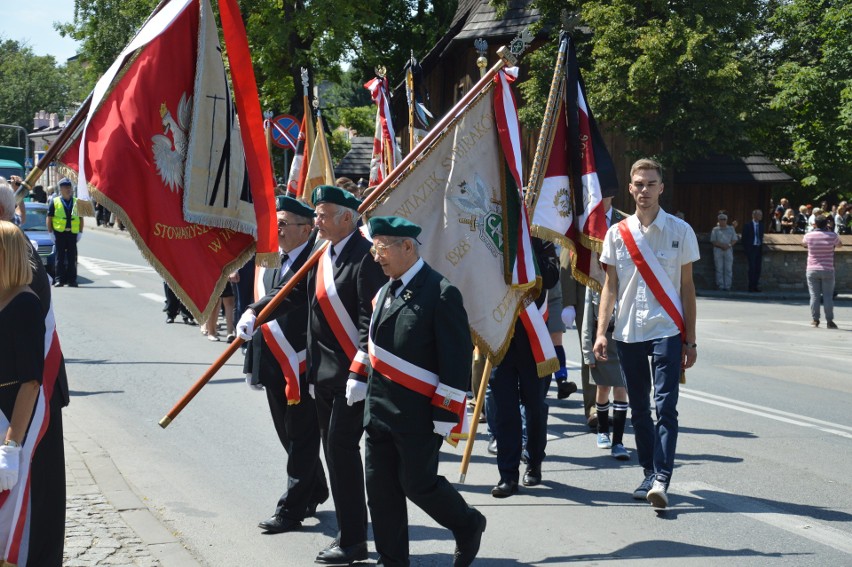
(59, 218)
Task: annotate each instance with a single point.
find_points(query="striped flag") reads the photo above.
(299, 165)
(386, 153)
(572, 172)
(319, 170)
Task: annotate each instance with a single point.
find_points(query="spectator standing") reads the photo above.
(65, 226)
(788, 222)
(723, 237)
(753, 245)
(820, 269)
(775, 224)
(841, 219)
(801, 226)
(812, 219)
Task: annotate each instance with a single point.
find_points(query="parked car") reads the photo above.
(36, 229)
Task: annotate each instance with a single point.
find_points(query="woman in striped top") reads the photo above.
(821, 243)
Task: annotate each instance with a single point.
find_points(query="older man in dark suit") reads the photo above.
(420, 354)
(753, 245)
(339, 292)
(275, 361)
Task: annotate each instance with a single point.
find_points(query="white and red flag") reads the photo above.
(572, 172)
(386, 152)
(299, 166)
(163, 148)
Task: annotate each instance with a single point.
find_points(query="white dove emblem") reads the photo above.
(170, 153)
(472, 199)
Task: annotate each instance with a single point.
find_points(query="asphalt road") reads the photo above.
(763, 462)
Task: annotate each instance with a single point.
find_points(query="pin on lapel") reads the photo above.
(407, 295)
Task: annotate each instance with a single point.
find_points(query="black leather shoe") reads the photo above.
(58, 283)
(505, 489)
(343, 555)
(170, 320)
(467, 548)
(565, 389)
(532, 476)
(316, 500)
(279, 525)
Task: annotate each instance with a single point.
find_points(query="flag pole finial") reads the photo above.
(516, 47)
(481, 47)
(305, 81)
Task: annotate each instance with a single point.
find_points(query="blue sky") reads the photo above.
(31, 22)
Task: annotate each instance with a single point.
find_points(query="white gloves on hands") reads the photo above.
(311, 391)
(10, 461)
(253, 385)
(568, 315)
(443, 428)
(79, 236)
(52, 236)
(356, 391)
(245, 326)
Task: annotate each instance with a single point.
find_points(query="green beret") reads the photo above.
(393, 226)
(291, 205)
(335, 195)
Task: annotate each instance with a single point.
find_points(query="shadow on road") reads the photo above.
(657, 549)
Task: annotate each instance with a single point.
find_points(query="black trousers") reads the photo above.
(66, 257)
(754, 255)
(341, 427)
(298, 432)
(401, 466)
(173, 304)
(47, 493)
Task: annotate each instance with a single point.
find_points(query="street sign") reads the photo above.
(285, 131)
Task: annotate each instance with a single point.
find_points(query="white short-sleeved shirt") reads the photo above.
(639, 316)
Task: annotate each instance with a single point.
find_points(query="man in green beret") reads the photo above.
(339, 291)
(420, 355)
(275, 361)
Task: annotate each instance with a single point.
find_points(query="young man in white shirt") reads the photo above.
(648, 259)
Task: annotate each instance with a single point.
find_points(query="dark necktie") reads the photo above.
(394, 287)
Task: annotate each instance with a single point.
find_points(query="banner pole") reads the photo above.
(232, 348)
(474, 419)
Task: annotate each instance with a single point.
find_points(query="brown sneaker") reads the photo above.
(831, 325)
(815, 323)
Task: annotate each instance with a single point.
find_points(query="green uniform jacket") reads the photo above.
(426, 326)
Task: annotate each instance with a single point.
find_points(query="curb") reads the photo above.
(92, 473)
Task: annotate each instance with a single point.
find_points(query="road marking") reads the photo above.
(154, 296)
(755, 510)
(763, 411)
(122, 283)
(101, 264)
(89, 265)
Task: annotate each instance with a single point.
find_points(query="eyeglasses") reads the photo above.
(381, 249)
(285, 223)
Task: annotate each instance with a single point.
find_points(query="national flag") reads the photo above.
(464, 194)
(162, 148)
(320, 170)
(299, 166)
(572, 172)
(386, 153)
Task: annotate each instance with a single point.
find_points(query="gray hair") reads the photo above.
(7, 202)
(355, 216)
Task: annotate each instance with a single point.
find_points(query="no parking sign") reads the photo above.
(285, 131)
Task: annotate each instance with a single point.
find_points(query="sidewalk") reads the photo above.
(106, 523)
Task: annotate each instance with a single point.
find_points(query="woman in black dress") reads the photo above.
(22, 406)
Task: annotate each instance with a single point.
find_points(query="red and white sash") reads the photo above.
(292, 363)
(652, 272)
(15, 504)
(342, 325)
(544, 353)
(424, 382)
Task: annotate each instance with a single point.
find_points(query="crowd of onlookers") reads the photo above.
(785, 220)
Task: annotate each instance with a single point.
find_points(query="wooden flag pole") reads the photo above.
(232, 348)
(474, 419)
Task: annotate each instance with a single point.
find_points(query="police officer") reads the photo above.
(420, 354)
(273, 363)
(65, 227)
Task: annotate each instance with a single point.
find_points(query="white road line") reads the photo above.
(755, 510)
(766, 414)
(122, 283)
(154, 296)
(89, 265)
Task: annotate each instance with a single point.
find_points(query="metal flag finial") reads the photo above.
(381, 71)
(516, 47)
(305, 81)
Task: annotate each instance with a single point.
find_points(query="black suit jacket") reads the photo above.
(260, 362)
(748, 235)
(358, 278)
(427, 326)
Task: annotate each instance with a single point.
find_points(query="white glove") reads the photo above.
(356, 391)
(79, 236)
(10, 460)
(253, 385)
(443, 428)
(568, 316)
(52, 236)
(245, 326)
(311, 391)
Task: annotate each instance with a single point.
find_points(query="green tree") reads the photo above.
(30, 83)
(812, 100)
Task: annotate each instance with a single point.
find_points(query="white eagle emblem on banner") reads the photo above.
(170, 153)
